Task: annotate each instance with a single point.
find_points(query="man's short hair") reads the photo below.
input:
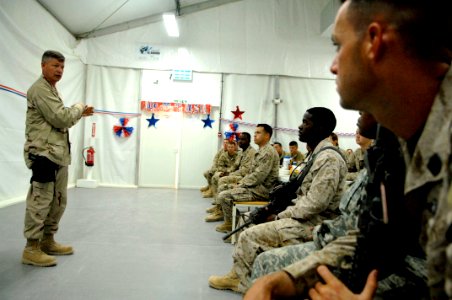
(247, 135)
(324, 119)
(277, 143)
(424, 26)
(293, 143)
(52, 54)
(267, 128)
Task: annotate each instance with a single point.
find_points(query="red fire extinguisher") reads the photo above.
(89, 160)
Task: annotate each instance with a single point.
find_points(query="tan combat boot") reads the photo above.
(212, 209)
(225, 227)
(34, 256)
(207, 194)
(204, 188)
(49, 246)
(229, 281)
(215, 216)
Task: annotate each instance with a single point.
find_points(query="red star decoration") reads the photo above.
(237, 113)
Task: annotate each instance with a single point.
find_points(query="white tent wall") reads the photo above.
(248, 37)
(27, 30)
(254, 94)
(113, 90)
(177, 151)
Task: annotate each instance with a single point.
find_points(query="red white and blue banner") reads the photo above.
(154, 107)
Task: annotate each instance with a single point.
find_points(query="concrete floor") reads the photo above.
(129, 244)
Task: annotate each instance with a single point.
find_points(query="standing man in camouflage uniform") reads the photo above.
(257, 184)
(317, 200)
(47, 154)
(229, 180)
(206, 191)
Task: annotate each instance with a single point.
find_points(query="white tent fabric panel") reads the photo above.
(113, 90)
(177, 151)
(27, 31)
(254, 95)
(247, 37)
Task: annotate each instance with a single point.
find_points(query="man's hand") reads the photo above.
(278, 284)
(88, 111)
(334, 289)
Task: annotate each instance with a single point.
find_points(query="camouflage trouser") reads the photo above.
(214, 182)
(208, 175)
(226, 183)
(276, 259)
(407, 283)
(45, 205)
(225, 199)
(264, 237)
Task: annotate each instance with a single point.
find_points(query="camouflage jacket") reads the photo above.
(349, 207)
(319, 194)
(429, 174)
(244, 162)
(264, 169)
(47, 123)
(226, 162)
(214, 166)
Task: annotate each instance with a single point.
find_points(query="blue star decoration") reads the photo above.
(152, 121)
(207, 122)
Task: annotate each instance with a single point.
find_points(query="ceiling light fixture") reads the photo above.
(171, 25)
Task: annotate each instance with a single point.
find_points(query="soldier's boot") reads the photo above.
(211, 209)
(33, 255)
(204, 188)
(216, 216)
(229, 281)
(207, 194)
(49, 246)
(225, 227)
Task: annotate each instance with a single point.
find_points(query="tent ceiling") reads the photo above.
(88, 18)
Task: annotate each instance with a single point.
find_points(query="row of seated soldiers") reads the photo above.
(234, 161)
(321, 225)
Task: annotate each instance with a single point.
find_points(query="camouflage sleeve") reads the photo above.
(262, 170)
(213, 169)
(245, 163)
(53, 110)
(222, 162)
(304, 271)
(323, 189)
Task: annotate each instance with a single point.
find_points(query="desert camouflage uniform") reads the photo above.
(47, 139)
(298, 158)
(209, 173)
(254, 186)
(429, 174)
(358, 164)
(226, 163)
(244, 166)
(329, 230)
(318, 199)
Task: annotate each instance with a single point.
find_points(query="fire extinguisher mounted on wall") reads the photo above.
(89, 159)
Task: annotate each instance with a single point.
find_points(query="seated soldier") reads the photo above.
(206, 192)
(229, 180)
(317, 199)
(227, 162)
(364, 144)
(281, 153)
(296, 156)
(257, 184)
(333, 246)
